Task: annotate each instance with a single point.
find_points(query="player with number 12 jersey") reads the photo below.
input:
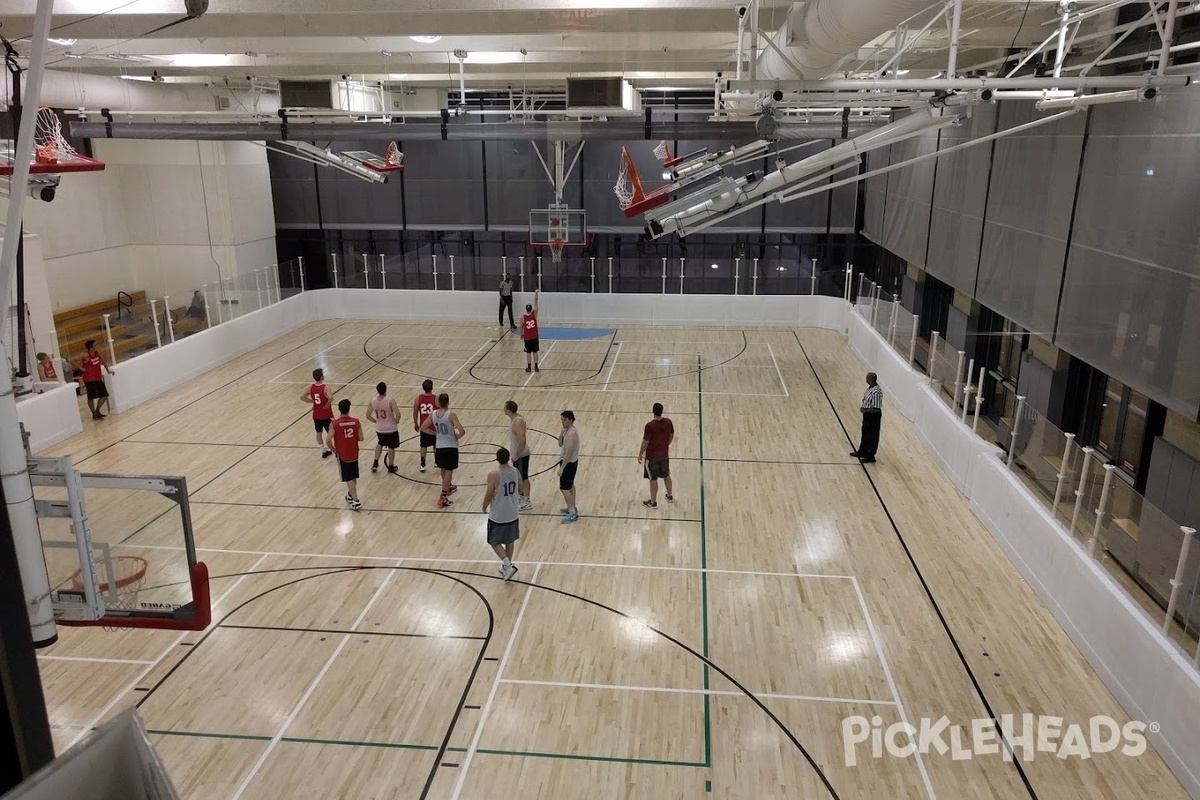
(423, 408)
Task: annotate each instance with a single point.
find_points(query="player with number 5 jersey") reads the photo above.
(423, 408)
(500, 503)
(317, 395)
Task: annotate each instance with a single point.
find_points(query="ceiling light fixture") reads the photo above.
(426, 39)
(63, 42)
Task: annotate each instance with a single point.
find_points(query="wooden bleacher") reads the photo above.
(132, 326)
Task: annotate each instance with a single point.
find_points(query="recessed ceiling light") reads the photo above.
(63, 42)
(426, 39)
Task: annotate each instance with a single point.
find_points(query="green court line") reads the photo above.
(440, 511)
(431, 748)
(704, 566)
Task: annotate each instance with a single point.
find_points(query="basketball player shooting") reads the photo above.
(529, 333)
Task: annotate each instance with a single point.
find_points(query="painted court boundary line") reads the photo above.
(714, 692)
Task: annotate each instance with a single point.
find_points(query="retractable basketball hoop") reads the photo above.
(632, 199)
(557, 228)
(52, 153)
(392, 161)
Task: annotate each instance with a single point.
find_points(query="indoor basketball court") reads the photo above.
(709, 647)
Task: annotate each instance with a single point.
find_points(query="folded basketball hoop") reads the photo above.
(51, 152)
(630, 197)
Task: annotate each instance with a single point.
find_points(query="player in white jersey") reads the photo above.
(448, 431)
(568, 464)
(500, 503)
(384, 412)
(518, 448)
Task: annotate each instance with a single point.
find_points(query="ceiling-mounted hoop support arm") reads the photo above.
(904, 43)
(283, 124)
(558, 176)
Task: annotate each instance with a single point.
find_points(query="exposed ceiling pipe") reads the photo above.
(964, 84)
(460, 131)
(820, 33)
(76, 89)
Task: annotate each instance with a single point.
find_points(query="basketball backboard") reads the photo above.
(558, 224)
(74, 162)
(119, 550)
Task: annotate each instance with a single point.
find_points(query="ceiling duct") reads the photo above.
(820, 33)
(601, 96)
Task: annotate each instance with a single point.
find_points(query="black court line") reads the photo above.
(471, 371)
(337, 631)
(1016, 762)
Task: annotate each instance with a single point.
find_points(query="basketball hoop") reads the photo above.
(128, 574)
(663, 151)
(557, 246)
(392, 157)
(49, 145)
(628, 186)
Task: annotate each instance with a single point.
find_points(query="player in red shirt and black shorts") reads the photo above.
(529, 333)
(656, 451)
(344, 435)
(423, 407)
(93, 379)
(318, 397)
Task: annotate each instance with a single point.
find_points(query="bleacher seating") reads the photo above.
(131, 323)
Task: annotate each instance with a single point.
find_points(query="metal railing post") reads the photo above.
(892, 325)
(755, 282)
(434, 272)
(366, 273)
(1084, 474)
(382, 271)
(978, 399)
(154, 316)
(112, 353)
(593, 259)
(681, 275)
(1012, 446)
(1177, 581)
(258, 287)
(207, 305)
(303, 288)
(812, 287)
(874, 306)
(664, 276)
(539, 275)
(912, 342)
(737, 263)
(1102, 509)
(452, 273)
(334, 257)
(610, 274)
(958, 378)
(170, 325)
(1062, 471)
(966, 401)
(522, 266)
(933, 341)
(849, 277)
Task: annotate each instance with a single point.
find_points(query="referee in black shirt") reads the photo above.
(506, 301)
(872, 415)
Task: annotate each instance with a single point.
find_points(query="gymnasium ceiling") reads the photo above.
(538, 43)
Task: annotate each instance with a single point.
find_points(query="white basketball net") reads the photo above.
(49, 146)
(661, 151)
(557, 246)
(392, 156)
(624, 187)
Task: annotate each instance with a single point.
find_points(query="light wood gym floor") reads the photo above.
(709, 648)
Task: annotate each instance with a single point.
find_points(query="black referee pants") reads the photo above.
(506, 302)
(870, 434)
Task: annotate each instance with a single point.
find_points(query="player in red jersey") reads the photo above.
(93, 379)
(423, 406)
(529, 332)
(344, 436)
(318, 397)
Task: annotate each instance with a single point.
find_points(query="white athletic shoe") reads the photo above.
(508, 573)
(526, 504)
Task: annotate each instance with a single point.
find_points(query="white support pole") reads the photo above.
(1062, 471)
(435, 272)
(301, 260)
(1168, 36)
(334, 258)
(539, 275)
(1060, 53)
(754, 286)
(171, 325)
(112, 354)
(610, 274)
(452, 273)
(154, 316)
(664, 276)
(1084, 474)
(366, 272)
(593, 260)
(891, 337)
(955, 22)
(14, 471)
(978, 400)
(522, 266)
(504, 266)
(681, 275)
(220, 313)
(933, 342)
(849, 277)
(1102, 509)
(812, 281)
(1177, 581)
(382, 271)
(258, 287)
(912, 342)
(966, 397)
(958, 377)
(1012, 445)
(207, 305)
(737, 263)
